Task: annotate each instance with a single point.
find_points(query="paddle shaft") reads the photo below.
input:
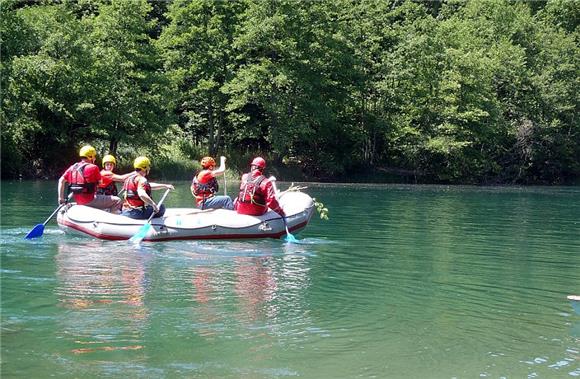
(53, 213)
(273, 181)
(142, 232)
(39, 228)
(158, 205)
(58, 209)
(225, 186)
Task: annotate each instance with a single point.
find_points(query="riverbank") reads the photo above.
(164, 170)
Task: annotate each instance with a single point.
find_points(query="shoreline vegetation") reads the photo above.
(480, 92)
(178, 171)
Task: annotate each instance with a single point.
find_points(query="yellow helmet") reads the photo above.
(88, 151)
(142, 163)
(109, 159)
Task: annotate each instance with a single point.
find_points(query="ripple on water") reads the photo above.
(413, 281)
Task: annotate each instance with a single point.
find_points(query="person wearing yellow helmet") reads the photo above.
(107, 185)
(204, 185)
(138, 202)
(82, 179)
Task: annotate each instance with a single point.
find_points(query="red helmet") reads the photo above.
(259, 162)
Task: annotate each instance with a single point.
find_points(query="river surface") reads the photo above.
(400, 282)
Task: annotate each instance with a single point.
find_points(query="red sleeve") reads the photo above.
(271, 201)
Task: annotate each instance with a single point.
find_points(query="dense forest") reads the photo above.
(480, 91)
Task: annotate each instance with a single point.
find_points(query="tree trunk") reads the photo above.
(113, 145)
(218, 140)
(211, 127)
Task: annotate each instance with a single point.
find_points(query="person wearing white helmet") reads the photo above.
(204, 185)
(138, 202)
(257, 192)
(82, 179)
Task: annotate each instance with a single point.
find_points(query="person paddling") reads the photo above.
(204, 185)
(82, 179)
(257, 192)
(138, 202)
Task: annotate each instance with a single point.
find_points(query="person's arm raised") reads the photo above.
(156, 186)
(221, 169)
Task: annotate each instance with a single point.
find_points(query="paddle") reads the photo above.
(289, 237)
(142, 232)
(223, 162)
(39, 228)
(225, 185)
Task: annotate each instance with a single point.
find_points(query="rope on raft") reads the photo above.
(320, 208)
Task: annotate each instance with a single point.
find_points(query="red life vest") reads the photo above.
(250, 192)
(79, 183)
(204, 191)
(131, 196)
(107, 185)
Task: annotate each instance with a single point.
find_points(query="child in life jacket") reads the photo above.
(107, 184)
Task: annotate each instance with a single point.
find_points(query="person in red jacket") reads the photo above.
(82, 179)
(107, 185)
(204, 186)
(138, 201)
(257, 192)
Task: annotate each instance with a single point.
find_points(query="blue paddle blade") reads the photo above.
(35, 232)
(290, 238)
(138, 237)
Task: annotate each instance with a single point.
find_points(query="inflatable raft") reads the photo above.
(191, 223)
(575, 301)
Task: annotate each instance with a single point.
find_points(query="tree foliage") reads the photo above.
(456, 91)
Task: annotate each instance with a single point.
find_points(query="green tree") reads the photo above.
(130, 93)
(552, 119)
(16, 39)
(43, 93)
(295, 70)
(200, 60)
(534, 63)
(454, 91)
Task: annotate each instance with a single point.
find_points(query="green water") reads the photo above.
(401, 282)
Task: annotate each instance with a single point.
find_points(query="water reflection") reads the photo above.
(417, 282)
(244, 288)
(103, 286)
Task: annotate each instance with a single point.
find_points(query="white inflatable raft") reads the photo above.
(575, 301)
(192, 223)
